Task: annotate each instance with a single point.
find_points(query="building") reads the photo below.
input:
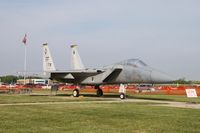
(33, 81)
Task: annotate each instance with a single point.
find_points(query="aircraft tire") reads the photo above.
(75, 93)
(122, 96)
(99, 92)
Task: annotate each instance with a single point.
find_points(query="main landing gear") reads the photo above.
(99, 91)
(75, 93)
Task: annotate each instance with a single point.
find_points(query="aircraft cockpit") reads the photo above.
(134, 62)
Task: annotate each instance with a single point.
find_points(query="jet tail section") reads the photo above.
(76, 60)
(48, 64)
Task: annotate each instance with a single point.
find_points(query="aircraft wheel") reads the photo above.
(75, 93)
(99, 92)
(122, 96)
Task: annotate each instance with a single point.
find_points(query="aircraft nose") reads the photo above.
(159, 77)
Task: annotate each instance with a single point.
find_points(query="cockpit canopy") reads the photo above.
(133, 62)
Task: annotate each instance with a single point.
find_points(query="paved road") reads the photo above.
(116, 100)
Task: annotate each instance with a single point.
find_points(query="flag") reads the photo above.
(24, 39)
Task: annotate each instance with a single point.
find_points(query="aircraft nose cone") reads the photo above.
(159, 77)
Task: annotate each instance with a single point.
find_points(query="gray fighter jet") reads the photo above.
(124, 72)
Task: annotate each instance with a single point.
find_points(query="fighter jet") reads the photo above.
(124, 72)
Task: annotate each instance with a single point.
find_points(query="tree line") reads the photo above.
(11, 79)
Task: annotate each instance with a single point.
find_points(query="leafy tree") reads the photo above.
(184, 81)
(13, 79)
(9, 79)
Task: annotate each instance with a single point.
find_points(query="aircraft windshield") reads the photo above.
(134, 62)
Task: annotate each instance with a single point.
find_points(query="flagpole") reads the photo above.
(24, 64)
(25, 41)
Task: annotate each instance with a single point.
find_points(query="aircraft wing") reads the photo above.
(81, 76)
(77, 75)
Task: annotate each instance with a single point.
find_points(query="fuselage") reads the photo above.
(131, 71)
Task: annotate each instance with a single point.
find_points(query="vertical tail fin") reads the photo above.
(48, 64)
(76, 60)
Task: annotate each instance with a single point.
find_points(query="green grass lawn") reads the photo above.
(47, 96)
(98, 118)
(94, 117)
(44, 96)
(178, 98)
(10, 99)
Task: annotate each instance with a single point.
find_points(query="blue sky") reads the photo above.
(162, 33)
